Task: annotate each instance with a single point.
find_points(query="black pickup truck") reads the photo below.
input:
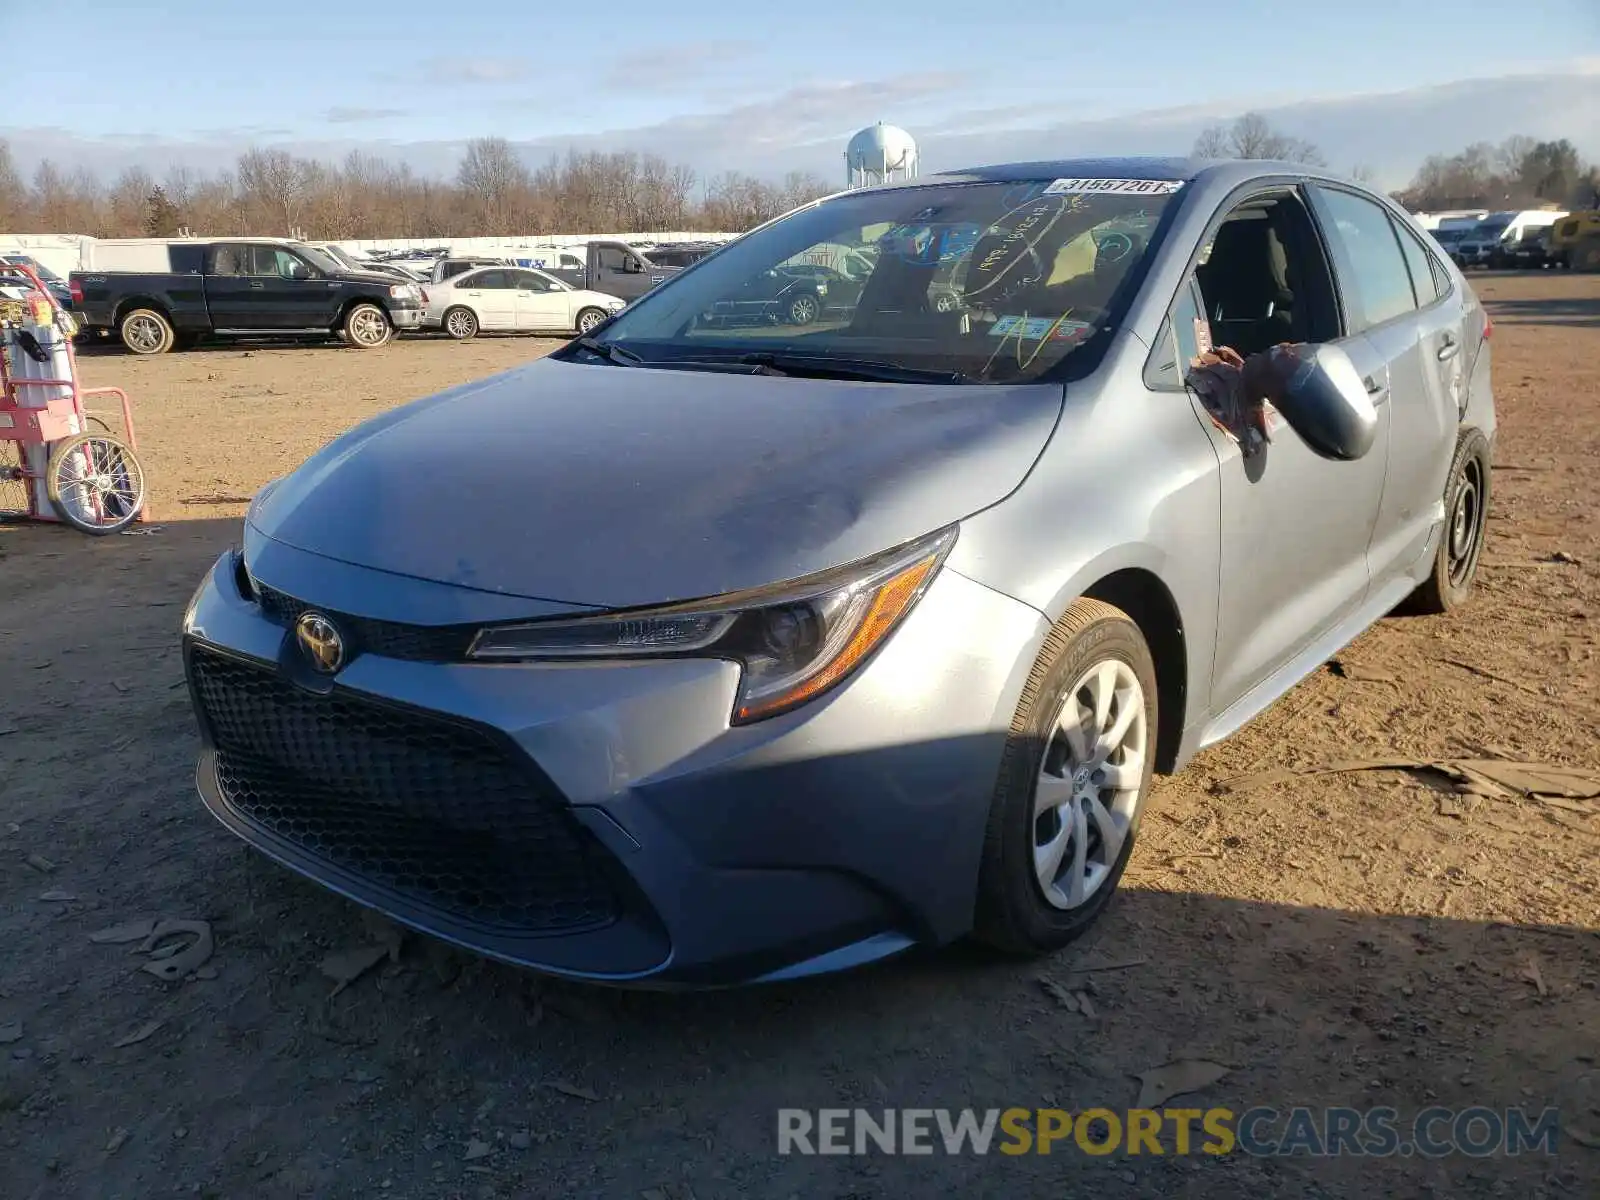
(617, 269)
(259, 287)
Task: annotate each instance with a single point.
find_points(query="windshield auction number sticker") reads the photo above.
(1114, 187)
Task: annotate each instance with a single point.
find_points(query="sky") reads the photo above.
(770, 88)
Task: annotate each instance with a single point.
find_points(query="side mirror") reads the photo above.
(1325, 401)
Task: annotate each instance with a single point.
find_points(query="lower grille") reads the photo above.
(440, 812)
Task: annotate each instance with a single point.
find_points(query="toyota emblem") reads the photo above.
(319, 638)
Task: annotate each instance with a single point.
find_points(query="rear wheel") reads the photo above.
(1466, 513)
(146, 331)
(461, 323)
(367, 326)
(1073, 777)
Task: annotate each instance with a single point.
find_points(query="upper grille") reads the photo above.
(437, 811)
(415, 643)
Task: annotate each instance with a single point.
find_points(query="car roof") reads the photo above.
(1186, 170)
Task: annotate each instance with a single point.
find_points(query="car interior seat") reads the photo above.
(1245, 282)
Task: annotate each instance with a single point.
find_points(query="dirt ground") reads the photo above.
(1339, 938)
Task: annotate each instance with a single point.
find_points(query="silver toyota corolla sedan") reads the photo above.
(705, 652)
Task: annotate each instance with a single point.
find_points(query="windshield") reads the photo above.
(1492, 228)
(1449, 235)
(996, 282)
(321, 259)
(45, 274)
(340, 257)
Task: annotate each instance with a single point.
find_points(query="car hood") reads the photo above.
(621, 486)
(367, 277)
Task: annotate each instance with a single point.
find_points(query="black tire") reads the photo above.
(1466, 513)
(588, 319)
(460, 323)
(109, 511)
(146, 331)
(804, 309)
(1013, 913)
(366, 326)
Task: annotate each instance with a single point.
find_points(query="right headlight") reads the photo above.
(794, 641)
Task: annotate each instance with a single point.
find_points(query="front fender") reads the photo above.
(1128, 481)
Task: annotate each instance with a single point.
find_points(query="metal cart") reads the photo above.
(58, 462)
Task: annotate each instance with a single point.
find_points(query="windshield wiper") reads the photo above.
(822, 366)
(612, 354)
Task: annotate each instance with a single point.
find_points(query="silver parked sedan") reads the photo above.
(695, 654)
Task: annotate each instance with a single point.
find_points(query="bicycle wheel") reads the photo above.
(94, 483)
(13, 484)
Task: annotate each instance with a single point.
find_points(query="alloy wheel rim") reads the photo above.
(144, 333)
(460, 324)
(803, 310)
(1090, 784)
(367, 328)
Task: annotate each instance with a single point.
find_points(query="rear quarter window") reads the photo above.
(1424, 276)
(187, 260)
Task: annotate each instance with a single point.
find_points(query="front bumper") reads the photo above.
(604, 822)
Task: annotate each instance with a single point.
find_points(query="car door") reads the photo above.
(231, 299)
(541, 306)
(1294, 527)
(1413, 342)
(489, 294)
(287, 292)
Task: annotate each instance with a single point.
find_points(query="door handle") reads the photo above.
(1377, 389)
(1449, 349)
(256, 285)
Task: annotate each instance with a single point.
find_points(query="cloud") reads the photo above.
(342, 115)
(805, 128)
(449, 70)
(679, 67)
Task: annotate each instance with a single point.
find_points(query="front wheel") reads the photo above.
(804, 309)
(94, 483)
(1075, 771)
(589, 320)
(367, 326)
(1466, 514)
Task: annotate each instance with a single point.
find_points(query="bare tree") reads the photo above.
(1252, 136)
(274, 184)
(495, 192)
(492, 176)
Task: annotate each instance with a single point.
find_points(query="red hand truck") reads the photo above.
(57, 461)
